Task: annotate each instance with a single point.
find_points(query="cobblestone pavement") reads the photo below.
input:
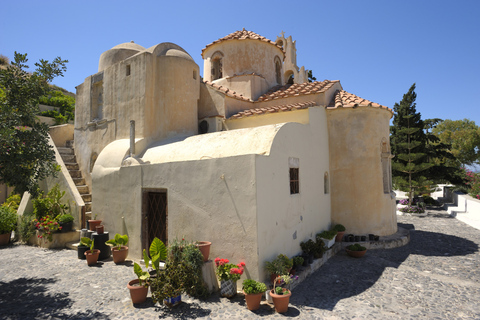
(436, 276)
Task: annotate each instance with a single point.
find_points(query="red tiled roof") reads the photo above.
(343, 99)
(242, 35)
(227, 91)
(290, 90)
(274, 109)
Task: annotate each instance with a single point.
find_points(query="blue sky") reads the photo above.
(377, 49)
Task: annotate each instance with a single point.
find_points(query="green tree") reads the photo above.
(311, 78)
(408, 142)
(25, 155)
(463, 136)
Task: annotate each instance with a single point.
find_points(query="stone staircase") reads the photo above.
(68, 155)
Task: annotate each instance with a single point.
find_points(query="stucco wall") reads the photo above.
(284, 219)
(300, 116)
(212, 200)
(358, 198)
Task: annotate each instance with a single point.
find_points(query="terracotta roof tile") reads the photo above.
(282, 108)
(242, 35)
(289, 90)
(343, 99)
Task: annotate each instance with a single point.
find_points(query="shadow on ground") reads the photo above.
(28, 298)
(343, 277)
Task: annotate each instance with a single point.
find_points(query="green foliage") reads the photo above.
(339, 228)
(251, 286)
(408, 141)
(308, 247)
(311, 78)
(13, 201)
(65, 218)
(298, 261)
(158, 252)
(119, 241)
(85, 241)
(356, 247)
(327, 234)
(49, 204)
(26, 227)
(8, 220)
(280, 265)
(182, 273)
(66, 103)
(464, 138)
(143, 276)
(26, 155)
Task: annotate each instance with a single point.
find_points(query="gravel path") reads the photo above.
(435, 276)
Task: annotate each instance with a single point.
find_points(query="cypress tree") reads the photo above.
(408, 142)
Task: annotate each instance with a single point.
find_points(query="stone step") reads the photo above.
(72, 166)
(87, 197)
(88, 215)
(69, 144)
(79, 181)
(68, 158)
(88, 206)
(83, 189)
(65, 151)
(75, 173)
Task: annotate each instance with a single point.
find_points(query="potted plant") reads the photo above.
(119, 247)
(281, 265)
(253, 291)
(93, 223)
(328, 237)
(280, 294)
(92, 254)
(8, 223)
(182, 274)
(66, 222)
(46, 226)
(157, 251)
(319, 248)
(139, 287)
(228, 274)
(340, 232)
(83, 246)
(204, 247)
(356, 250)
(308, 249)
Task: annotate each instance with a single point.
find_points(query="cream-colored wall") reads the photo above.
(299, 116)
(251, 86)
(212, 200)
(285, 220)
(358, 200)
(244, 57)
(211, 102)
(61, 134)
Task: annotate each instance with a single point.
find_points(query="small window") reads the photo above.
(326, 184)
(128, 70)
(194, 75)
(294, 182)
(217, 65)
(278, 70)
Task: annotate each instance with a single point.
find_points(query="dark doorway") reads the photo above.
(155, 217)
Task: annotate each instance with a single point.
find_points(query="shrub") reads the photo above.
(356, 247)
(339, 228)
(13, 201)
(412, 209)
(26, 227)
(4, 61)
(251, 286)
(8, 220)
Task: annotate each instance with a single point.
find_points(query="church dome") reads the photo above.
(118, 53)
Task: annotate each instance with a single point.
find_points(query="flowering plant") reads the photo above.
(48, 225)
(282, 282)
(403, 201)
(228, 271)
(412, 209)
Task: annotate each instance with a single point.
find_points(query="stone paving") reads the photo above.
(435, 276)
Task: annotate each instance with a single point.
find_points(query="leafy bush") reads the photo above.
(329, 235)
(13, 201)
(65, 218)
(8, 220)
(251, 286)
(356, 247)
(49, 204)
(280, 265)
(4, 61)
(412, 209)
(66, 103)
(339, 228)
(26, 227)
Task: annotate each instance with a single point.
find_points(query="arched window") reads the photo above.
(217, 67)
(289, 77)
(278, 70)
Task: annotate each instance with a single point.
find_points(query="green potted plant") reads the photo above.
(158, 252)
(356, 250)
(8, 223)
(281, 265)
(82, 247)
(228, 275)
(281, 294)
(66, 222)
(139, 287)
(119, 248)
(308, 249)
(328, 237)
(340, 232)
(253, 291)
(297, 263)
(46, 227)
(91, 254)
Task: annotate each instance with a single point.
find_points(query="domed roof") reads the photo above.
(169, 49)
(118, 53)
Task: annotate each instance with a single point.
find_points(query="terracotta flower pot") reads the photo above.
(100, 228)
(339, 236)
(204, 247)
(119, 255)
(93, 223)
(138, 293)
(92, 256)
(355, 254)
(253, 300)
(5, 238)
(280, 301)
